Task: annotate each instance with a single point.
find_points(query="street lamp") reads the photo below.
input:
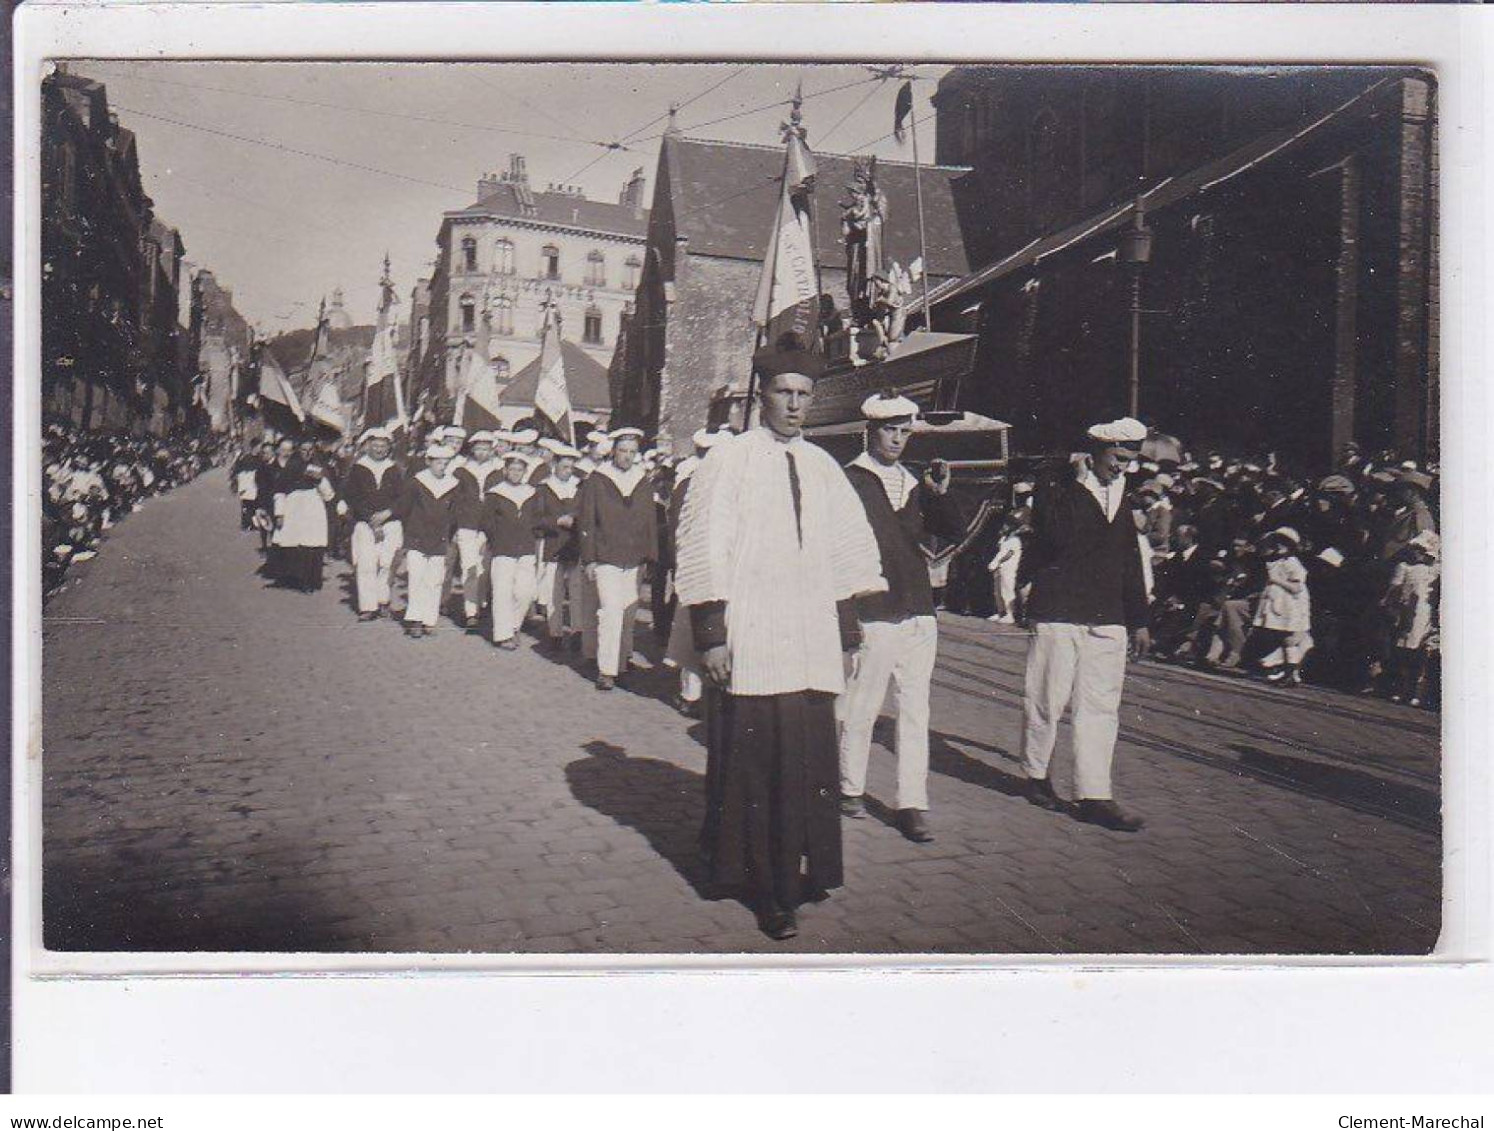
(1135, 253)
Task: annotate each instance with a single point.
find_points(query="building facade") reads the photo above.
(714, 202)
(220, 343)
(512, 255)
(111, 272)
(1287, 287)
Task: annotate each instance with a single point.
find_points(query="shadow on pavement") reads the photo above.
(115, 905)
(947, 759)
(1409, 805)
(658, 799)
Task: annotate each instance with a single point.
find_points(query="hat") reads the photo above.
(524, 436)
(1150, 487)
(379, 433)
(1127, 430)
(888, 406)
(1164, 480)
(525, 458)
(1419, 479)
(789, 354)
(595, 436)
(1286, 533)
(454, 432)
(439, 451)
(1409, 465)
(558, 449)
(623, 433)
(1336, 485)
(481, 436)
(1206, 481)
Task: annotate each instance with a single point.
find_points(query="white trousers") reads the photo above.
(471, 549)
(588, 617)
(617, 607)
(560, 594)
(426, 574)
(903, 652)
(513, 592)
(373, 562)
(1083, 665)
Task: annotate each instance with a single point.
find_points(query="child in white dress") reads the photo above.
(1283, 615)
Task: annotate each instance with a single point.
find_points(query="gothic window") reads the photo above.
(630, 272)
(469, 314)
(469, 254)
(592, 329)
(503, 257)
(596, 269)
(550, 258)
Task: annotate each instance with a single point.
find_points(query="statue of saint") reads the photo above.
(863, 218)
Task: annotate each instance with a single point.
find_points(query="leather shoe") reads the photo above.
(913, 825)
(605, 683)
(779, 925)
(1039, 792)
(1109, 815)
(852, 807)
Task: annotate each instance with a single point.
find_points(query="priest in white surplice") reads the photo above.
(773, 547)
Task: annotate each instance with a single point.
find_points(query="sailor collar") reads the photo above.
(883, 472)
(437, 487)
(517, 494)
(625, 481)
(563, 488)
(377, 466)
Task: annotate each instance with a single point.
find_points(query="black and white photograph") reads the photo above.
(766, 508)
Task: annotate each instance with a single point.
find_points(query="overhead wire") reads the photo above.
(425, 118)
(825, 137)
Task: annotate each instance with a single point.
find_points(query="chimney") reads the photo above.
(487, 185)
(516, 171)
(632, 192)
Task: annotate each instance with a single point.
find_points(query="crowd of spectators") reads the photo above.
(90, 480)
(1254, 570)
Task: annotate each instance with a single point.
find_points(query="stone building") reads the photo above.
(111, 271)
(220, 340)
(1288, 292)
(713, 209)
(513, 249)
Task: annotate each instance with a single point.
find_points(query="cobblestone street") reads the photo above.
(234, 767)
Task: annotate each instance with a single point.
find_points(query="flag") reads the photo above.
(901, 109)
(788, 294)
(327, 409)
(477, 396)
(383, 399)
(552, 399)
(278, 404)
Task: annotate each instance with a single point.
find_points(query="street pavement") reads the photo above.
(229, 766)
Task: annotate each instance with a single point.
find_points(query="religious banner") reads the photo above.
(788, 293)
(552, 398)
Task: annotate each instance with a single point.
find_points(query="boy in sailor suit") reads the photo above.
(618, 534)
(510, 521)
(475, 476)
(374, 486)
(560, 569)
(425, 510)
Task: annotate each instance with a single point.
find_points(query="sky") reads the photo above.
(288, 180)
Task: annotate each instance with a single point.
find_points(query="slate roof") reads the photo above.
(585, 380)
(560, 209)
(724, 195)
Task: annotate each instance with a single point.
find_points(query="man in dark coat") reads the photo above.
(1087, 591)
(899, 632)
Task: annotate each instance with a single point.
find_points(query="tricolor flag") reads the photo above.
(788, 293)
(477, 395)
(552, 398)
(278, 404)
(383, 399)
